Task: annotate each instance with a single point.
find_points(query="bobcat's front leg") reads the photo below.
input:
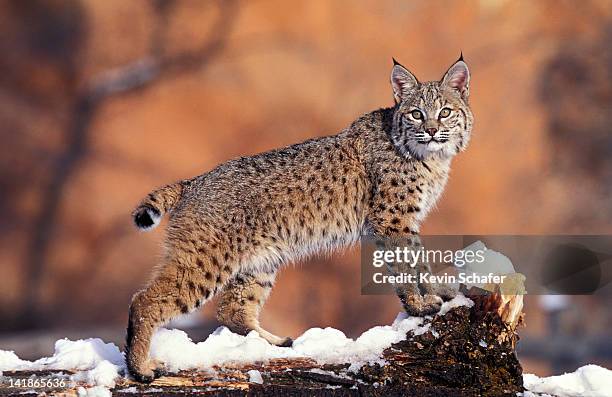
(414, 303)
(443, 290)
(430, 288)
(393, 219)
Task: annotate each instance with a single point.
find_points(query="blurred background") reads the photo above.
(101, 101)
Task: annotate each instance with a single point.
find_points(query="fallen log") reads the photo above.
(465, 352)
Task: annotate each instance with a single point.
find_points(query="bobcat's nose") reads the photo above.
(431, 131)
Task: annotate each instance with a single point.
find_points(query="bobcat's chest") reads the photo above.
(408, 192)
(432, 189)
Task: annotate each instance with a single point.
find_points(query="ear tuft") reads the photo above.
(402, 81)
(458, 78)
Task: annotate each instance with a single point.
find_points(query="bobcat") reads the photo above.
(231, 229)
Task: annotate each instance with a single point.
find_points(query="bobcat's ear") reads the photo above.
(458, 78)
(402, 81)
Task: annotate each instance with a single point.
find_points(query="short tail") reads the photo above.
(149, 212)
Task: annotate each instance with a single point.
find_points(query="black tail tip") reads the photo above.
(146, 217)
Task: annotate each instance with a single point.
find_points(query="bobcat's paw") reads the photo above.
(147, 372)
(444, 291)
(417, 305)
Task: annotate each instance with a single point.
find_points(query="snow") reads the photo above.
(459, 300)
(588, 381)
(101, 364)
(98, 363)
(81, 355)
(131, 389)
(494, 261)
(103, 374)
(9, 361)
(324, 345)
(96, 391)
(255, 376)
(178, 352)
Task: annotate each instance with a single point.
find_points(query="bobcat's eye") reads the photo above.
(416, 114)
(445, 113)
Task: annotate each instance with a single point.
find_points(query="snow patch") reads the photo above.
(104, 374)
(588, 381)
(10, 362)
(457, 301)
(324, 345)
(96, 391)
(131, 389)
(100, 364)
(176, 350)
(255, 376)
(81, 355)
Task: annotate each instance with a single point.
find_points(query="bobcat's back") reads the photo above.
(278, 206)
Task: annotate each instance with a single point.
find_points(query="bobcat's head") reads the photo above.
(432, 119)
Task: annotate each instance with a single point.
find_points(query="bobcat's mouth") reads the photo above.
(434, 140)
(425, 141)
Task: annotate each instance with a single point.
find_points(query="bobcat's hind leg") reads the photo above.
(177, 289)
(241, 301)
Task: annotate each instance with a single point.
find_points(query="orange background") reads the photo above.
(278, 73)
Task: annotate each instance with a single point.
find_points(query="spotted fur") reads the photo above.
(231, 229)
